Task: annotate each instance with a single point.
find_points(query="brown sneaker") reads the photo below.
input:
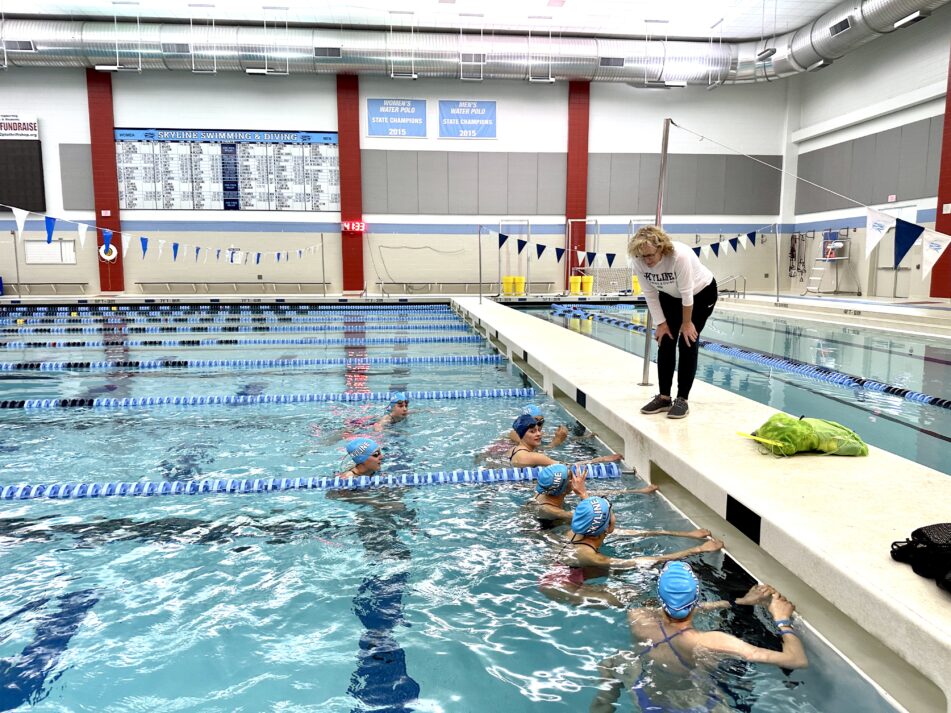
(678, 409)
(656, 405)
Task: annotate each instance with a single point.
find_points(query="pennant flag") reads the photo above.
(735, 244)
(300, 254)
(277, 256)
(877, 224)
(744, 241)
(197, 251)
(161, 248)
(50, 226)
(905, 236)
(580, 256)
(705, 251)
(559, 254)
(539, 248)
(521, 245)
(696, 251)
(126, 239)
(106, 239)
(715, 247)
(205, 261)
(218, 254)
(934, 246)
(257, 260)
(20, 216)
(81, 229)
(502, 238)
(610, 257)
(144, 242)
(752, 238)
(591, 258)
(174, 252)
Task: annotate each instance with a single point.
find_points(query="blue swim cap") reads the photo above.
(361, 448)
(591, 517)
(678, 589)
(397, 396)
(553, 479)
(532, 410)
(522, 424)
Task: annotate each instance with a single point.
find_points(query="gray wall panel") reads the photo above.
(622, 195)
(373, 176)
(402, 182)
(523, 183)
(463, 183)
(681, 198)
(862, 170)
(648, 172)
(934, 155)
(739, 186)
(75, 166)
(552, 178)
(887, 156)
(711, 184)
(807, 196)
(836, 175)
(599, 182)
(914, 159)
(493, 184)
(433, 182)
(766, 185)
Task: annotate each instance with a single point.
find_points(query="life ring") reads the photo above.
(110, 255)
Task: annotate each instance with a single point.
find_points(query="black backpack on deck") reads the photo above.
(928, 551)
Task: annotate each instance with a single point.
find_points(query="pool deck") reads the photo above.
(828, 520)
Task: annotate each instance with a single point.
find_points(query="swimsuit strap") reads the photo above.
(514, 451)
(586, 544)
(668, 639)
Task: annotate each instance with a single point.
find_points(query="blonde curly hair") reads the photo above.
(650, 236)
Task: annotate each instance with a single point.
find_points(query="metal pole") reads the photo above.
(500, 261)
(777, 264)
(16, 262)
(479, 238)
(323, 266)
(658, 218)
(528, 260)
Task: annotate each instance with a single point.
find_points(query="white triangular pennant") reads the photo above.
(81, 229)
(705, 252)
(161, 246)
(20, 216)
(876, 225)
(933, 246)
(744, 241)
(126, 239)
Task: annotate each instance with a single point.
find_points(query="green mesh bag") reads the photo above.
(784, 435)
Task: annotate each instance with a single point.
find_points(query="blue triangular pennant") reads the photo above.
(715, 247)
(106, 239)
(752, 237)
(197, 251)
(610, 257)
(218, 254)
(144, 242)
(300, 254)
(257, 259)
(502, 238)
(735, 244)
(697, 251)
(50, 224)
(278, 256)
(174, 252)
(559, 254)
(905, 236)
(521, 245)
(539, 248)
(591, 257)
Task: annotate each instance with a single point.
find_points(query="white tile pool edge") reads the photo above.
(828, 520)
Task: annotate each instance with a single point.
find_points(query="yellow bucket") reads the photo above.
(574, 283)
(586, 326)
(574, 324)
(635, 285)
(508, 284)
(519, 285)
(587, 284)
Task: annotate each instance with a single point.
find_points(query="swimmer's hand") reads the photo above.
(758, 594)
(711, 546)
(780, 607)
(614, 457)
(699, 534)
(578, 478)
(652, 488)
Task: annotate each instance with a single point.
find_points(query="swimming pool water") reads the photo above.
(303, 601)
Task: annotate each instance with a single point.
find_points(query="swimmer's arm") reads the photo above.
(513, 437)
(609, 689)
(526, 459)
(637, 562)
(385, 421)
(695, 534)
(561, 433)
(614, 457)
(713, 606)
(550, 512)
(628, 491)
(792, 656)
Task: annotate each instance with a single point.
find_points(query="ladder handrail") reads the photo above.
(735, 280)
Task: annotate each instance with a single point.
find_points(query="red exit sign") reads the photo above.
(353, 226)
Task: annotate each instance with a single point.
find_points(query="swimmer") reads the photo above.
(525, 454)
(553, 485)
(398, 410)
(591, 523)
(671, 670)
(561, 433)
(367, 460)
(366, 455)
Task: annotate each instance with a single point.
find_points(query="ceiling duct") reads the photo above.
(450, 55)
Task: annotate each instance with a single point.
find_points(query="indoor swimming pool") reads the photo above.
(732, 342)
(413, 599)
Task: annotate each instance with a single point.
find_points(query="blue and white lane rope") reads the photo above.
(334, 309)
(242, 486)
(249, 399)
(235, 364)
(236, 329)
(819, 373)
(118, 341)
(235, 319)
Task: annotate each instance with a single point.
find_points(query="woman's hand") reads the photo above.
(689, 333)
(780, 607)
(578, 481)
(661, 331)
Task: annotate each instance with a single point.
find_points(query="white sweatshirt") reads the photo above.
(680, 274)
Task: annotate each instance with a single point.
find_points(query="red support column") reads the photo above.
(105, 182)
(576, 188)
(941, 272)
(351, 185)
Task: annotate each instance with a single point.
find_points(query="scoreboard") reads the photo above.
(226, 169)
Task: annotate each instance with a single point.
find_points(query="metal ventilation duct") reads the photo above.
(150, 46)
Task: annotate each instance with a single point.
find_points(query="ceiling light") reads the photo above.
(765, 53)
(116, 68)
(265, 71)
(911, 19)
(821, 64)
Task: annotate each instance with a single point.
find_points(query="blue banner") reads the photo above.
(236, 136)
(466, 119)
(396, 117)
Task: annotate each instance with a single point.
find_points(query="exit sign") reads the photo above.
(353, 226)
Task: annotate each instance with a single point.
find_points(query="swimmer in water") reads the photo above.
(561, 433)
(525, 454)
(398, 410)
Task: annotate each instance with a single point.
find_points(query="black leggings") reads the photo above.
(673, 308)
